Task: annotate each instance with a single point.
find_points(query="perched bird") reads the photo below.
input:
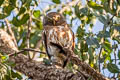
(7, 44)
(57, 34)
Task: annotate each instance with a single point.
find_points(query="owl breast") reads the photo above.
(61, 35)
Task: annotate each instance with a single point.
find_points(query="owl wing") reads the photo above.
(61, 35)
(44, 36)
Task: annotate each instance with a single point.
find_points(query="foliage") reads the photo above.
(100, 49)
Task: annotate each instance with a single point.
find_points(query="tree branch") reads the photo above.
(87, 69)
(23, 50)
(11, 32)
(39, 71)
(83, 66)
(28, 33)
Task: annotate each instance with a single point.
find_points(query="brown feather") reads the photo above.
(57, 32)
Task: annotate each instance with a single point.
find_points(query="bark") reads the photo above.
(39, 71)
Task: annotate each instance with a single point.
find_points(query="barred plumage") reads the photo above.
(57, 31)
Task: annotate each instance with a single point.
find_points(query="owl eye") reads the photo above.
(56, 18)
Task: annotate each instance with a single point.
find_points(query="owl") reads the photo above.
(57, 31)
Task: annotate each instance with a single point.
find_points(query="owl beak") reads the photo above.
(56, 18)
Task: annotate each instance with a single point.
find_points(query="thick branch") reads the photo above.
(84, 67)
(39, 71)
(87, 69)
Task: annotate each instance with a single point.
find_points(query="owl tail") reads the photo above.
(62, 51)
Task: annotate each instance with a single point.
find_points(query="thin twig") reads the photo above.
(11, 32)
(99, 58)
(24, 50)
(111, 4)
(115, 54)
(115, 58)
(28, 33)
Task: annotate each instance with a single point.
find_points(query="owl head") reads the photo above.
(53, 19)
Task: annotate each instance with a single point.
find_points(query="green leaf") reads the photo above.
(15, 21)
(107, 46)
(27, 3)
(16, 75)
(24, 18)
(106, 34)
(84, 46)
(68, 12)
(36, 13)
(22, 21)
(117, 39)
(8, 9)
(36, 3)
(113, 68)
(56, 1)
(84, 10)
(77, 11)
(118, 2)
(90, 51)
(38, 23)
(13, 2)
(101, 60)
(116, 28)
(7, 77)
(80, 33)
(92, 41)
(4, 58)
(1, 2)
(22, 10)
(2, 16)
(94, 5)
(102, 19)
(107, 7)
(2, 26)
(81, 12)
(23, 1)
(35, 38)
